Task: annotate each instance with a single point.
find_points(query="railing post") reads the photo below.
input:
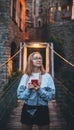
(20, 56)
(52, 60)
(24, 56)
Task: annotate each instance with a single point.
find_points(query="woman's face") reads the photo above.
(37, 60)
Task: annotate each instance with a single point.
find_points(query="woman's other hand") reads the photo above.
(36, 86)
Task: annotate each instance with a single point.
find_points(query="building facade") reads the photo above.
(45, 11)
(12, 31)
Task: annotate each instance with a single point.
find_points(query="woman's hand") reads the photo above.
(34, 86)
(30, 86)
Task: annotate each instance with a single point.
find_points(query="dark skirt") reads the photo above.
(40, 117)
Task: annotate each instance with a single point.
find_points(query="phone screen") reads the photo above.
(34, 81)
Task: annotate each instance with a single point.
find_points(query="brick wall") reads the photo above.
(9, 32)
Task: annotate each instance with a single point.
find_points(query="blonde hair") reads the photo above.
(29, 67)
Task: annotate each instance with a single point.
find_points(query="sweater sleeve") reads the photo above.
(48, 92)
(23, 92)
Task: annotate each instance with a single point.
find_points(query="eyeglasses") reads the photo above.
(37, 58)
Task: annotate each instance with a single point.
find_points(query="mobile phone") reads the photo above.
(34, 81)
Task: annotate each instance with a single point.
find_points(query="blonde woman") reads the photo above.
(36, 88)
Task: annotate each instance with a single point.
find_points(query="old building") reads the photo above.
(33, 20)
(40, 12)
(12, 31)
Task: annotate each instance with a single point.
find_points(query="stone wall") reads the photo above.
(4, 16)
(65, 101)
(63, 32)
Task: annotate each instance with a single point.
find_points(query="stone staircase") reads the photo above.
(57, 120)
(57, 111)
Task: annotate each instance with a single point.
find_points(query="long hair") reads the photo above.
(29, 67)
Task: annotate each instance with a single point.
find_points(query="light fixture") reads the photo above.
(36, 45)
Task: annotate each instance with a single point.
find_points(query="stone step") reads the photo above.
(57, 120)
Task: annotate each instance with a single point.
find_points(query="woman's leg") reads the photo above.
(26, 127)
(44, 127)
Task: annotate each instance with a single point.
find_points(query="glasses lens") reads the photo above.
(37, 58)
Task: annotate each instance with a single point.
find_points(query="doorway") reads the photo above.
(44, 49)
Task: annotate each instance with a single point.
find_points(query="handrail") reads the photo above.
(50, 48)
(12, 56)
(61, 57)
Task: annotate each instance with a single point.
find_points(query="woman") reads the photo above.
(36, 88)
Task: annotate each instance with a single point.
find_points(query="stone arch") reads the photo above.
(39, 22)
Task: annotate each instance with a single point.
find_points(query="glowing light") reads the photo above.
(59, 8)
(36, 45)
(51, 9)
(68, 8)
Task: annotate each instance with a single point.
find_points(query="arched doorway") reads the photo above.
(14, 60)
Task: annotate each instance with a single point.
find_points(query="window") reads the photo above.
(40, 11)
(27, 12)
(51, 9)
(14, 10)
(59, 8)
(68, 8)
(20, 17)
(51, 14)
